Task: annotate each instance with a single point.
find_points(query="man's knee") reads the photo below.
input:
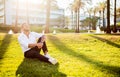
(39, 40)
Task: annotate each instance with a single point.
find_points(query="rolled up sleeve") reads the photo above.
(23, 43)
(37, 35)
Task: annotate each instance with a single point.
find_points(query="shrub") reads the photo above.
(6, 28)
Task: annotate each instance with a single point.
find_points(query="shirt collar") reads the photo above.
(24, 34)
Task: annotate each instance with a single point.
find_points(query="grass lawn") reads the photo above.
(79, 55)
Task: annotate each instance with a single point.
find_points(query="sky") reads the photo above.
(65, 4)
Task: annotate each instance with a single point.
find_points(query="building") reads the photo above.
(72, 20)
(33, 11)
(1, 11)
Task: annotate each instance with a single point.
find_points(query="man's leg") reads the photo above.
(35, 54)
(45, 50)
(36, 48)
(41, 57)
(44, 47)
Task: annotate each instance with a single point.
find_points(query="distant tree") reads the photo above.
(16, 20)
(71, 8)
(85, 23)
(27, 9)
(80, 5)
(95, 10)
(102, 6)
(4, 12)
(89, 11)
(47, 16)
(54, 5)
(67, 21)
(74, 7)
(108, 17)
(77, 5)
(93, 20)
(118, 12)
(48, 6)
(114, 28)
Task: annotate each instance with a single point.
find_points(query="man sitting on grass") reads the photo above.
(31, 47)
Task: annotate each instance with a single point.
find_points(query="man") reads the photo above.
(30, 46)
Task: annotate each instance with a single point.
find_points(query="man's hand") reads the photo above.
(39, 45)
(43, 38)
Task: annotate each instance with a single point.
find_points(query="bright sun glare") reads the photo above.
(61, 3)
(64, 4)
(32, 1)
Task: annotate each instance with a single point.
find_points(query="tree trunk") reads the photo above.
(78, 20)
(48, 16)
(103, 18)
(76, 23)
(108, 17)
(114, 29)
(4, 13)
(72, 19)
(90, 21)
(99, 17)
(27, 13)
(16, 21)
(94, 26)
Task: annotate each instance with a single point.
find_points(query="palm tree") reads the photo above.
(108, 17)
(90, 12)
(27, 11)
(72, 18)
(95, 10)
(16, 20)
(72, 11)
(77, 5)
(54, 5)
(102, 6)
(4, 13)
(74, 7)
(50, 5)
(78, 9)
(118, 12)
(80, 4)
(48, 16)
(114, 29)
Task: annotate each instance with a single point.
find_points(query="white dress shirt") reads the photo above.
(24, 40)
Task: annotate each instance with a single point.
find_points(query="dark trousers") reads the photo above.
(35, 52)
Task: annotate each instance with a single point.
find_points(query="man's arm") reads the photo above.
(32, 45)
(39, 45)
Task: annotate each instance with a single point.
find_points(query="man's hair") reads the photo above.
(23, 24)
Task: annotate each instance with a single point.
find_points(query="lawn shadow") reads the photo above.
(36, 68)
(4, 45)
(116, 34)
(115, 70)
(107, 41)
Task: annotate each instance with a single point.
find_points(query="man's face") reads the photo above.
(26, 28)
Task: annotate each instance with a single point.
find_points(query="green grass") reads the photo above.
(51, 29)
(79, 55)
